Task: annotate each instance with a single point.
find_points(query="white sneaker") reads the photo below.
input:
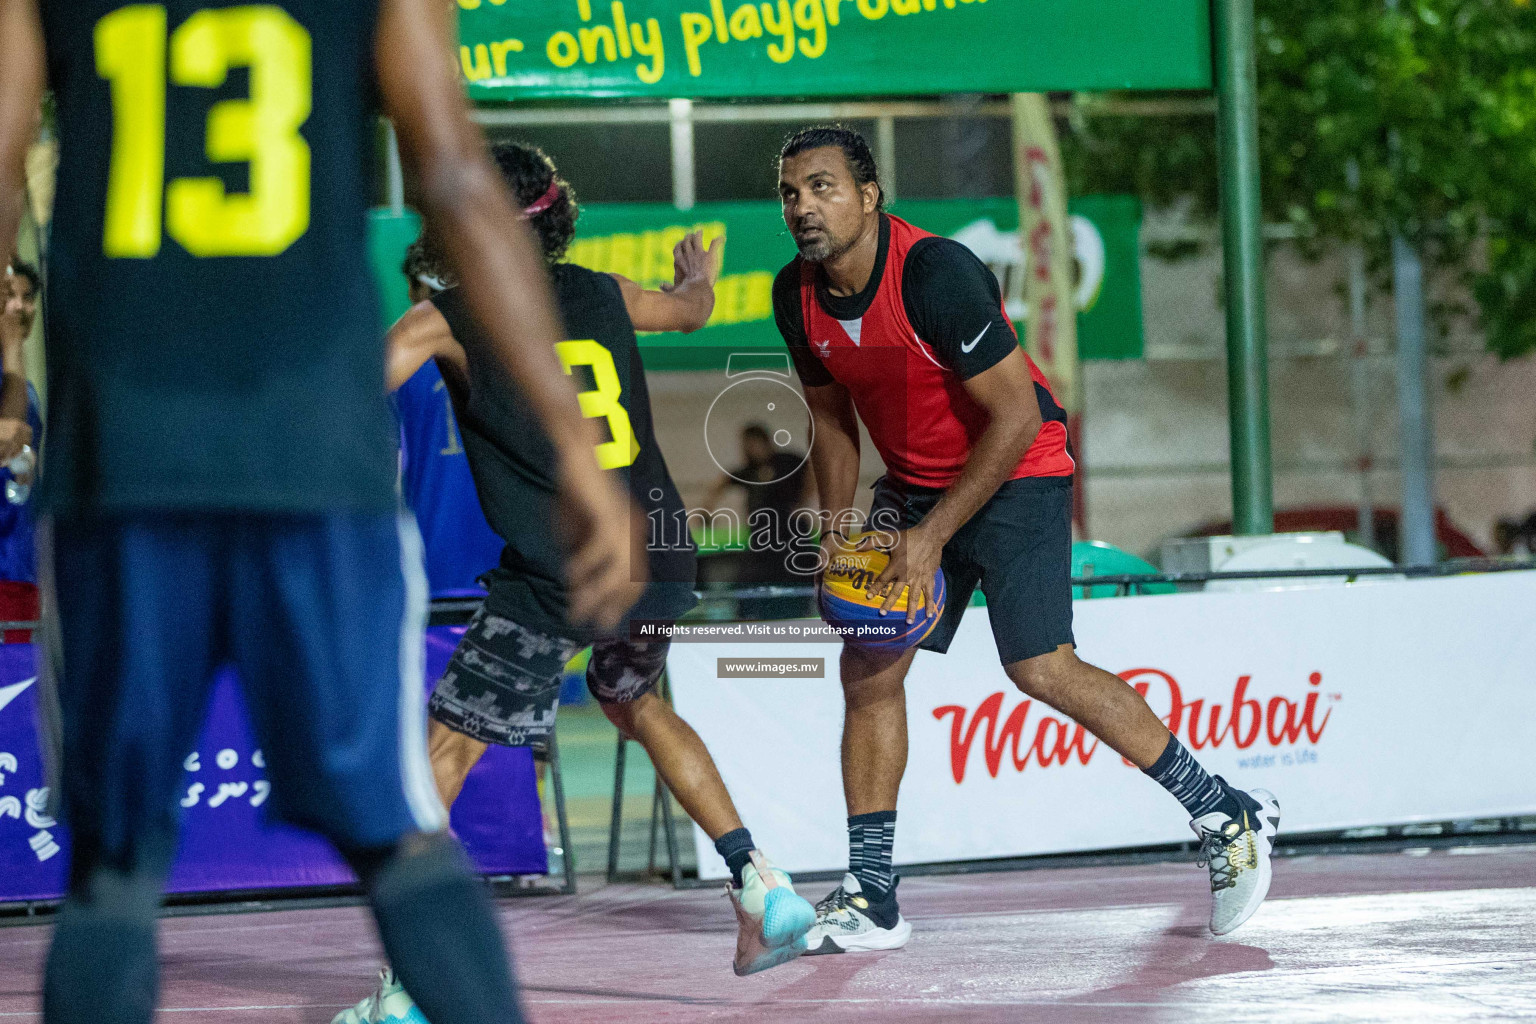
(848, 921)
(1237, 851)
(390, 1003)
(771, 917)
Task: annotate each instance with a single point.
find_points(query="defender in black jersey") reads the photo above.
(220, 474)
(502, 685)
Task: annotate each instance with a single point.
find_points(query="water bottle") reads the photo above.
(22, 465)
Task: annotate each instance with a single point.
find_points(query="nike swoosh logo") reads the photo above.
(976, 340)
(10, 693)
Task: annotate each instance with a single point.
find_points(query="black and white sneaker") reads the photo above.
(1237, 852)
(848, 921)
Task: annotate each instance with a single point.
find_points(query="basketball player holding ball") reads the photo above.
(906, 331)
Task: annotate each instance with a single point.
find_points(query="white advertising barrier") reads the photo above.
(1363, 705)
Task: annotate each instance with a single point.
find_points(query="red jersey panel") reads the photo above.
(918, 413)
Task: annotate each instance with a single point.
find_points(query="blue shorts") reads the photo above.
(322, 617)
(1017, 548)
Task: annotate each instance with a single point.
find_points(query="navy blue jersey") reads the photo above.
(214, 335)
(439, 488)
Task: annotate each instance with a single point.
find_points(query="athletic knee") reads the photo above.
(628, 716)
(870, 677)
(1046, 678)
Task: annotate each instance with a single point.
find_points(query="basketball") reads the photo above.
(847, 605)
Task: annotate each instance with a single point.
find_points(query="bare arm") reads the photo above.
(1007, 393)
(504, 282)
(688, 303)
(834, 455)
(22, 77)
(421, 334)
(15, 431)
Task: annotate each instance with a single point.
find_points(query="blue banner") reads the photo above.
(226, 842)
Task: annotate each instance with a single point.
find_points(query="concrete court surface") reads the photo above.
(1444, 935)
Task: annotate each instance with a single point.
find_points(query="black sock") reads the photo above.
(871, 841)
(736, 847)
(439, 929)
(1178, 772)
(101, 966)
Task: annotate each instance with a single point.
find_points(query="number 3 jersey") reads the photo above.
(214, 338)
(514, 465)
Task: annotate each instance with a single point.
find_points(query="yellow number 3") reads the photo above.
(262, 131)
(603, 401)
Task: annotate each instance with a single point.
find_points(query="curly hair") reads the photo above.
(424, 263)
(529, 174)
(855, 150)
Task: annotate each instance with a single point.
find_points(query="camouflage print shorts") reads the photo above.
(502, 684)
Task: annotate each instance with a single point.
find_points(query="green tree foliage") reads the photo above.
(1436, 105)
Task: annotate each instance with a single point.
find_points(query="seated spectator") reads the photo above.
(434, 472)
(18, 556)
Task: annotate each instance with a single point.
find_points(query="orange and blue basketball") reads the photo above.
(847, 604)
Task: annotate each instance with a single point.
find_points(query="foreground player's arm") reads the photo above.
(834, 423)
(506, 286)
(22, 78)
(834, 454)
(422, 334)
(686, 304)
(955, 305)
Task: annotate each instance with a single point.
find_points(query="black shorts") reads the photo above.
(502, 684)
(1017, 547)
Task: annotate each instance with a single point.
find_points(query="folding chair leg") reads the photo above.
(616, 824)
(562, 822)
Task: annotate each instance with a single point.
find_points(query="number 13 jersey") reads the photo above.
(214, 337)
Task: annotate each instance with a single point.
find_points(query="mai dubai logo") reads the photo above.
(1200, 722)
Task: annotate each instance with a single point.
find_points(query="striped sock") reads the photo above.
(1180, 774)
(871, 841)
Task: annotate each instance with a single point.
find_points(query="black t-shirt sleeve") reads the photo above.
(789, 315)
(956, 306)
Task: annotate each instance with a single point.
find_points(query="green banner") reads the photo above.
(636, 240)
(587, 49)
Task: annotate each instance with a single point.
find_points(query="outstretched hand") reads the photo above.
(691, 261)
(914, 560)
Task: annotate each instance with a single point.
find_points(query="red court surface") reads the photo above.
(1434, 936)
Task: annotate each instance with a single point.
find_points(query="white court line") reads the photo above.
(214, 1009)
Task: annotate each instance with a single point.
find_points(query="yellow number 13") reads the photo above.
(131, 50)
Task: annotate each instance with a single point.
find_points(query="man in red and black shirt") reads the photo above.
(906, 331)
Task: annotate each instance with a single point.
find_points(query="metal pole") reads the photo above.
(681, 112)
(1243, 261)
(1416, 527)
(1416, 540)
(885, 153)
(394, 176)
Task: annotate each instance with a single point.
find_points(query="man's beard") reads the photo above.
(823, 249)
(817, 251)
